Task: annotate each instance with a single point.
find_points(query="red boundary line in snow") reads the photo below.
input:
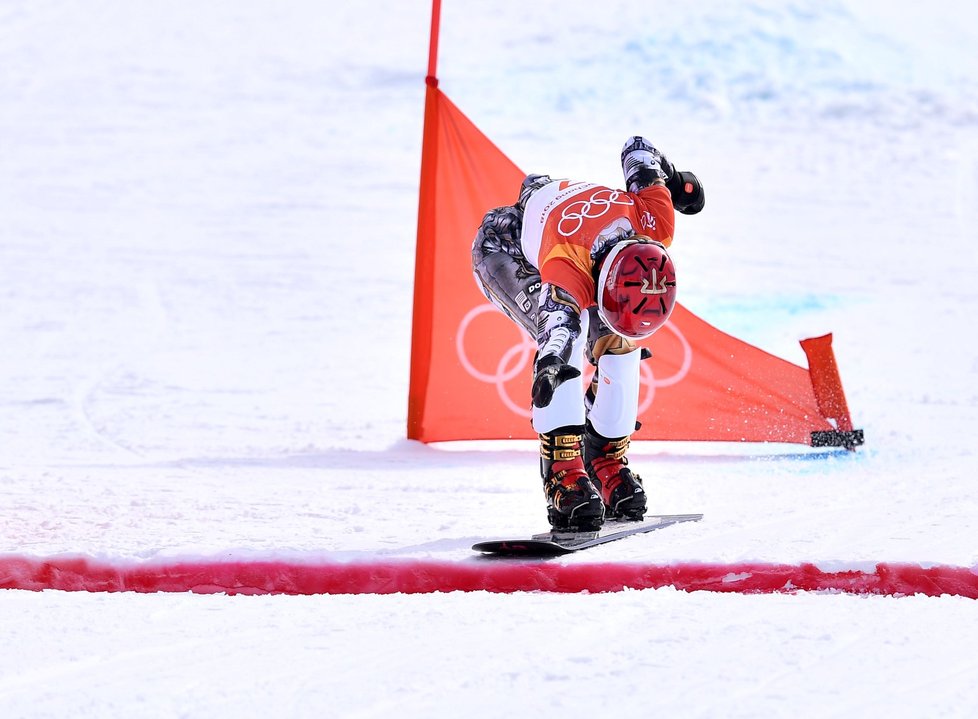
(72, 573)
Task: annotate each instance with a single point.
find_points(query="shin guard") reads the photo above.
(615, 408)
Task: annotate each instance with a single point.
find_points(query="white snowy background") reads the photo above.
(207, 220)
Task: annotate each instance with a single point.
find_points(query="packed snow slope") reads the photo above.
(207, 218)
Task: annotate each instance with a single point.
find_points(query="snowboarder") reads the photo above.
(584, 269)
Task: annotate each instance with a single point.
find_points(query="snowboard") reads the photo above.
(557, 542)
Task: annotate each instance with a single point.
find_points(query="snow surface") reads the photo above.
(207, 217)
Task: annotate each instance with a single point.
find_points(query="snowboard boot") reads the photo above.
(621, 489)
(573, 502)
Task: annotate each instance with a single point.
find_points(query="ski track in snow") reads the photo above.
(206, 263)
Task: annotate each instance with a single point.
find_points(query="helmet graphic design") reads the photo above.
(636, 287)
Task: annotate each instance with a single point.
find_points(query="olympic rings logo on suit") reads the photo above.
(518, 358)
(572, 217)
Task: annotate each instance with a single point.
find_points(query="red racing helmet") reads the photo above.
(636, 287)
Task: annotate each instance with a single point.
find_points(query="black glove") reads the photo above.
(549, 373)
(687, 192)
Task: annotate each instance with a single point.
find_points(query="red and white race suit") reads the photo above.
(567, 224)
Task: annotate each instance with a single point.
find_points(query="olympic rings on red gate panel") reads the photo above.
(518, 359)
(514, 360)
